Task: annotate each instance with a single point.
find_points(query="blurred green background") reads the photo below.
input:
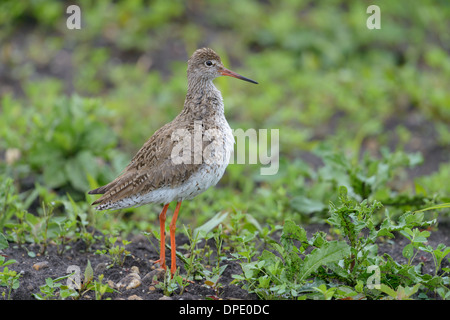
(369, 109)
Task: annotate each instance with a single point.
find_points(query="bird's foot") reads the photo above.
(162, 265)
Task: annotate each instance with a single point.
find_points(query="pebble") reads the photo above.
(159, 273)
(134, 283)
(165, 298)
(101, 267)
(111, 284)
(130, 281)
(135, 269)
(40, 265)
(134, 297)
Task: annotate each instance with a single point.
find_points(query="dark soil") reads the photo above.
(141, 261)
(394, 248)
(143, 255)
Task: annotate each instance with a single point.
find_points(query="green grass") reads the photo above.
(368, 107)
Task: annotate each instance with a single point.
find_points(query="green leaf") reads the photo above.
(402, 293)
(268, 257)
(68, 293)
(436, 207)
(441, 254)
(384, 288)
(408, 251)
(88, 274)
(291, 231)
(318, 239)
(332, 251)
(16, 283)
(407, 232)
(7, 263)
(54, 175)
(307, 205)
(209, 225)
(3, 242)
(422, 236)
(249, 269)
(76, 174)
(49, 282)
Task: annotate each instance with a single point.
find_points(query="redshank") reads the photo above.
(157, 173)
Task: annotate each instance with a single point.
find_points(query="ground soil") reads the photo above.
(141, 261)
(143, 257)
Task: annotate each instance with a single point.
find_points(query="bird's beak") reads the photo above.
(225, 72)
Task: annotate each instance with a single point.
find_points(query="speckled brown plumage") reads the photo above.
(152, 175)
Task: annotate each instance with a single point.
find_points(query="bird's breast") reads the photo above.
(218, 143)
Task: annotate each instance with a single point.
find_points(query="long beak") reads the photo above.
(225, 72)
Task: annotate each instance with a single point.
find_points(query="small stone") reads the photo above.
(159, 273)
(111, 284)
(165, 298)
(130, 281)
(101, 267)
(134, 283)
(134, 297)
(151, 288)
(40, 265)
(135, 269)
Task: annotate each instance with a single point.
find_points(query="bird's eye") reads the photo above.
(208, 63)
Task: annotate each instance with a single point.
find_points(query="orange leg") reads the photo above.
(173, 227)
(162, 228)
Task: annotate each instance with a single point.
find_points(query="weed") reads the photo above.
(213, 277)
(417, 238)
(54, 289)
(8, 278)
(402, 293)
(101, 288)
(171, 283)
(74, 288)
(117, 253)
(193, 260)
(66, 138)
(298, 267)
(285, 274)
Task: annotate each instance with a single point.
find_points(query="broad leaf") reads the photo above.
(332, 251)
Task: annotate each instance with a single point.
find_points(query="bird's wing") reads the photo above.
(151, 168)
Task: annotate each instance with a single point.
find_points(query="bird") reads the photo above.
(183, 158)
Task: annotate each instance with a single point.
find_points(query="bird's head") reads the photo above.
(206, 64)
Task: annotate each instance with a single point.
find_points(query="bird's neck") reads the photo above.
(203, 100)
